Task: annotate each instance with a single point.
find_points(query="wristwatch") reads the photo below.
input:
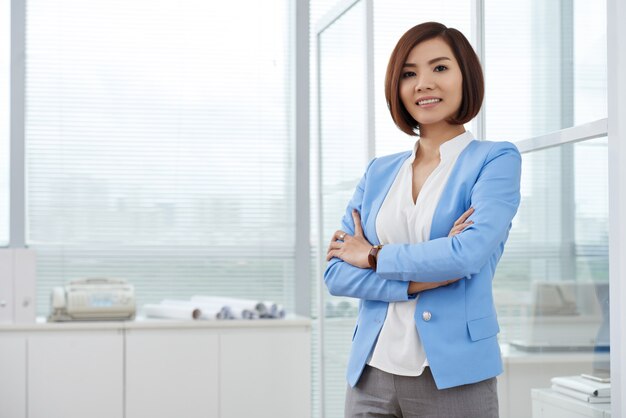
(372, 257)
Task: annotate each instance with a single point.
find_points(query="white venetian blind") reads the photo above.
(159, 147)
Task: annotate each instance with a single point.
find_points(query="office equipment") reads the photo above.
(566, 316)
(92, 299)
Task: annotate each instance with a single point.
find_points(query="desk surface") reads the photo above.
(290, 321)
(513, 355)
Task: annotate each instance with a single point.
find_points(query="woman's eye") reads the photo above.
(441, 66)
(408, 74)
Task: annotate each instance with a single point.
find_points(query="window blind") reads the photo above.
(159, 147)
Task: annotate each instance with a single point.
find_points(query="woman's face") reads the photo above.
(431, 71)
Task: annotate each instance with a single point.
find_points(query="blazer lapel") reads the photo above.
(381, 181)
(447, 210)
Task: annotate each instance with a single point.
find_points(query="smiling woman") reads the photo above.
(420, 241)
(425, 60)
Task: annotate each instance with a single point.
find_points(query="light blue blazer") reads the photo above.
(457, 323)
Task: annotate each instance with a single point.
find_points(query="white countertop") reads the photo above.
(157, 323)
(513, 355)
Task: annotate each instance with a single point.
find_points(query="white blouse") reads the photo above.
(399, 349)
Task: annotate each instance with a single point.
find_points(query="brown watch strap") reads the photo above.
(372, 258)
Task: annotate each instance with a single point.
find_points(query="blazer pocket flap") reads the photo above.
(482, 328)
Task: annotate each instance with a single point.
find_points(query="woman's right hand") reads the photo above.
(457, 228)
(461, 223)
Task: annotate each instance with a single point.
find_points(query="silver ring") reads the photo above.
(342, 236)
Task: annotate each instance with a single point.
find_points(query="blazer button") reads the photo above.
(426, 316)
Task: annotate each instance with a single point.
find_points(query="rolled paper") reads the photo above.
(171, 311)
(235, 308)
(209, 311)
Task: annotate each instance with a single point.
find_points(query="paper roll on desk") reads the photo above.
(214, 307)
(207, 310)
(171, 311)
(245, 308)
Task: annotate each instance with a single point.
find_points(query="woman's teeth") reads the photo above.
(423, 102)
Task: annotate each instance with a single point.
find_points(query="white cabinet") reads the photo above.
(265, 373)
(13, 372)
(156, 369)
(76, 374)
(172, 373)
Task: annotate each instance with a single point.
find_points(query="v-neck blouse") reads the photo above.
(399, 349)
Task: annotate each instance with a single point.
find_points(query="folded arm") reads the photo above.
(344, 279)
(495, 198)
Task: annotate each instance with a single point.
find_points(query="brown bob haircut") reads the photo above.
(471, 71)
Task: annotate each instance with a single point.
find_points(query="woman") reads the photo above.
(420, 242)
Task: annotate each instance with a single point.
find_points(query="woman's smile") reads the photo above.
(428, 103)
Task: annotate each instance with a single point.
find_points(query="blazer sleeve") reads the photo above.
(495, 197)
(344, 279)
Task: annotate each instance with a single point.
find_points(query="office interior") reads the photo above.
(204, 152)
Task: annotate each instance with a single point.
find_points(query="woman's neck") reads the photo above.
(432, 137)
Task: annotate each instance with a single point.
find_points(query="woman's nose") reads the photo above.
(423, 83)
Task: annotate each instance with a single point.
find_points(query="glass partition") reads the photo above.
(551, 287)
(5, 114)
(545, 66)
(343, 97)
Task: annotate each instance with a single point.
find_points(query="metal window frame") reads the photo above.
(616, 88)
(17, 162)
(301, 132)
(477, 25)
(578, 133)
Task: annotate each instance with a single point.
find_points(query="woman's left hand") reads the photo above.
(351, 249)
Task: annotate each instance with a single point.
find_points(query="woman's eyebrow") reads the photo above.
(408, 64)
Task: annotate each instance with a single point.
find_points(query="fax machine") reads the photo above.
(93, 299)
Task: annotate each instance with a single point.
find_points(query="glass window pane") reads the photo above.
(552, 285)
(545, 65)
(343, 151)
(5, 114)
(159, 146)
(590, 61)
